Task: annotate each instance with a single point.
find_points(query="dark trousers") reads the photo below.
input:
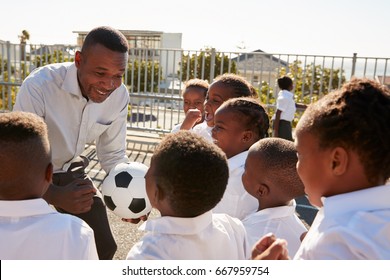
(96, 218)
(285, 130)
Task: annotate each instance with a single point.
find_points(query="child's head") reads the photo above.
(343, 140)
(285, 83)
(194, 95)
(187, 175)
(270, 173)
(239, 123)
(223, 88)
(25, 159)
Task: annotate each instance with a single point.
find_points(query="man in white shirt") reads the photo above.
(82, 102)
(29, 227)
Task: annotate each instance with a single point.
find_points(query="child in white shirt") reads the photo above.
(194, 95)
(186, 179)
(224, 87)
(239, 123)
(344, 163)
(285, 109)
(30, 228)
(271, 177)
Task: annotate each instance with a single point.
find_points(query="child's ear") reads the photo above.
(159, 193)
(49, 173)
(247, 136)
(339, 157)
(262, 190)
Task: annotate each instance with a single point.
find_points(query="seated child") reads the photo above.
(271, 177)
(343, 149)
(239, 123)
(29, 227)
(194, 95)
(184, 191)
(223, 88)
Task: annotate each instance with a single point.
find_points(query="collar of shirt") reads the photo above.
(237, 160)
(176, 225)
(272, 213)
(374, 198)
(69, 85)
(24, 208)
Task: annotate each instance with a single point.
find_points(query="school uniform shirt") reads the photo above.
(53, 93)
(205, 237)
(236, 201)
(32, 230)
(176, 128)
(354, 225)
(204, 130)
(285, 103)
(281, 221)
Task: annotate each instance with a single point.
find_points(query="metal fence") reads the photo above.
(155, 77)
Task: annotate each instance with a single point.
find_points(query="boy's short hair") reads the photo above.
(107, 36)
(192, 173)
(202, 85)
(280, 157)
(355, 117)
(24, 150)
(285, 83)
(252, 112)
(240, 86)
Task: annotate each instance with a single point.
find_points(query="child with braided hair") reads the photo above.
(224, 87)
(239, 123)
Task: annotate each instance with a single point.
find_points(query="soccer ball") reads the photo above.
(124, 190)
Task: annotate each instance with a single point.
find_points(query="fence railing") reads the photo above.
(155, 77)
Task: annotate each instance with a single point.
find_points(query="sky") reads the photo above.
(313, 27)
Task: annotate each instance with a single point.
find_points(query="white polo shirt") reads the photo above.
(236, 201)
(285, 103)
(32, 230)
(350, 226)
(53, 93)
(205, 237)
(204, 130)
(281, 221)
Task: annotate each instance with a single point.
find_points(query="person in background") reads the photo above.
(29, 228)
(81, 102)
(194, 95)
(186, 179)
(271, 177)
(238, 124)
(285, 109)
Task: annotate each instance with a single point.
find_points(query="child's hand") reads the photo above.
(192, 117)
(270, 248)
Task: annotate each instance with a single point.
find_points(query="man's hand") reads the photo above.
(75, 198)
(192, 117)
(136, 221)
(270, 248)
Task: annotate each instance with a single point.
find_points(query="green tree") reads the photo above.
(143, 76)
(192, 66)
(313, 81)
(56, 57)
(310, 83)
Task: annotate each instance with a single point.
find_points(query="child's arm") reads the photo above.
(276, 123)
(192, 117)
(300, 106)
